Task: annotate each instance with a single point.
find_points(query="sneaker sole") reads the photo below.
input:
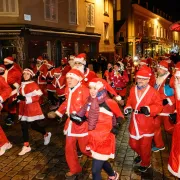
(49, 140)
(146, 169)
(159, 150)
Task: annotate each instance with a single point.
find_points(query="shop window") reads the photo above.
(9, 8)
(106, 7)
(90, 11)
(73, 12)
(106, 32)
(51, 10)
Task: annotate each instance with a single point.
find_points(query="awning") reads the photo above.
(175, 26)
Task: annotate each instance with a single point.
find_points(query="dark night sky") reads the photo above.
(170, 7)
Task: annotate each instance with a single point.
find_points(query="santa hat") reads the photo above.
(57, 71)
(64, 60)
(40, 59)
(144, 72)
(50, 63)
(163, 65)
(2, 67)
(143, 61)
(27, 70)
(177, 66)
(81, 58)
(76, 74)
(101, 84)
(9, 60)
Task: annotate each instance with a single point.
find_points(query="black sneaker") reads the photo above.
(137, 160)
(79, 153)
(143, 168)
(9, 122)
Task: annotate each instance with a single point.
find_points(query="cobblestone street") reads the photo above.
(48, 162)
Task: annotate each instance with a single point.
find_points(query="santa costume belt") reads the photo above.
(118, 88)
(136, 111)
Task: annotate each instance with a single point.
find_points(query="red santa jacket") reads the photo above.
(141, 125)
(60, 84)
(75, 99)
(128, 62)
(120, 81)
(13, 77)
(43, 72)
(174, 161)
(65, 69)
(5, 91)
(30, 109)
(170, 107)
(49, 80)
(88, 76)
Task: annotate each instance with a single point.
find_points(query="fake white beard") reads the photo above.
(177, 87)
(160, 79)
(80, 68)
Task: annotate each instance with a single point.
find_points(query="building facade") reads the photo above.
(55, 28)
(144, 32)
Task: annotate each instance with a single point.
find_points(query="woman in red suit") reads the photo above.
(29, 109)
(103, 115)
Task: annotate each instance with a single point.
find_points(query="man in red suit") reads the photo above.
(80, 64)
(144, 103)
(168, 101)
(5, 92)
(12, 76)
(174, 160)
(76, 96)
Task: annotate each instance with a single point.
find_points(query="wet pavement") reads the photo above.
(48, 162)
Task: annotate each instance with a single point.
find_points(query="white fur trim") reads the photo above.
(98, 85)
(29, 71)
(169, 101)
(162, 67)
(28, 100)
(143, 135)
(32, 118)
(9, 61)
(16, 85)
(103, 157)
(72, 75)
(143, 77)
(59, 114)
(118, 98)
(163, 114)
(1, 99)
(177, 174)
(177, 73)
(81, 60)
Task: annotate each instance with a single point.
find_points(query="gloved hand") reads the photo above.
(77, 119)
(21, 97)
(38, 73)
(173, 118)
(12, 86)
(165, 102)
(42, 78)
(13, 104)
(128, 111)
(115, 130)
(144, 110)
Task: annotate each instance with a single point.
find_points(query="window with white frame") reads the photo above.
(9, 8)
(90, 11)
(106, 7)
(106, 31)
(51, 10)
(73, 12)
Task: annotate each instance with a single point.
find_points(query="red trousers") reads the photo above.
(158, 140)
(143, 148)
(71, 152)
(3, 138)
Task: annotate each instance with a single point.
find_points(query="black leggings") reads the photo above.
(98, 165)
(34, 125)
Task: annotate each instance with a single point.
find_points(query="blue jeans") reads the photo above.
(98, 165)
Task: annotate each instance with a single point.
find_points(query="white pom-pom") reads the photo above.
(118, 98)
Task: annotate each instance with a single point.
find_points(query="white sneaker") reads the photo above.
(5, 147)
(24, 150)
(47, 139)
